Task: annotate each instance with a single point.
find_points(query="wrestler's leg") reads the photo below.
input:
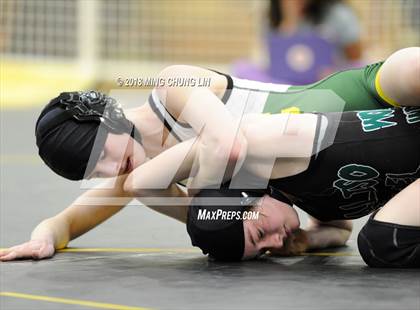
(391, 238)
(403, 208)
(398, 80)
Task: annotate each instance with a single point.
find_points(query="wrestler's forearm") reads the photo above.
(162, 202)
(216, 165)
(176, 211)
(222, 143)
(221, 140)
(170, 166)
(326, 236)
(201, 106)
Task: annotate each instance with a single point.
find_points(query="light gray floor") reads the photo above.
(172, 279)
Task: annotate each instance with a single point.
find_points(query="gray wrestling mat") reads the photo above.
(140, 259)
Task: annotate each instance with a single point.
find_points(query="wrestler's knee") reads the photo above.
(400, 76)
(384, 244)
(413, 71)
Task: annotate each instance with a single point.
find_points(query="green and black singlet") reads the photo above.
(349, 90)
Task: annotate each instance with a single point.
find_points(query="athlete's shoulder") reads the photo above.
(195, 76)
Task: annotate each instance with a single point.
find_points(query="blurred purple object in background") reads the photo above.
(299, 58)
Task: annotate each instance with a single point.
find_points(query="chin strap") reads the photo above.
(135, 134)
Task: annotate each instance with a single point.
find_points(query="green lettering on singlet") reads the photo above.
(356, 172)
(412, 114)
(356, 179)
(376, 119)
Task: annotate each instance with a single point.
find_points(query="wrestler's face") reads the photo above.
(121, 155)
(275, 223)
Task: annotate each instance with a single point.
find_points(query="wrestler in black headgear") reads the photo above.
(69, 126)
(222, 239)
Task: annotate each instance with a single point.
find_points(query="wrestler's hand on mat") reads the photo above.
(33, 249)
(296, 244)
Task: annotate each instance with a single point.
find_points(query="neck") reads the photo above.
(150, 128)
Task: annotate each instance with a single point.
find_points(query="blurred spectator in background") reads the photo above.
(306, 40)
(333, 20)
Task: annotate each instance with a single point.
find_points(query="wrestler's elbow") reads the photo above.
(235, 151)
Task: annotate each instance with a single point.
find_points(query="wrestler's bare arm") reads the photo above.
(56, 232)
(172, 165)
(327, 234)
(221, 141)
(88, 211)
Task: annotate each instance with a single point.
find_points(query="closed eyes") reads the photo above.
(260, 234)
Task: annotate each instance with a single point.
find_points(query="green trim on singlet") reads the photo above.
(349, 90)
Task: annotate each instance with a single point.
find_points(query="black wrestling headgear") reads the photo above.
(222, 239)
(68, 127)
